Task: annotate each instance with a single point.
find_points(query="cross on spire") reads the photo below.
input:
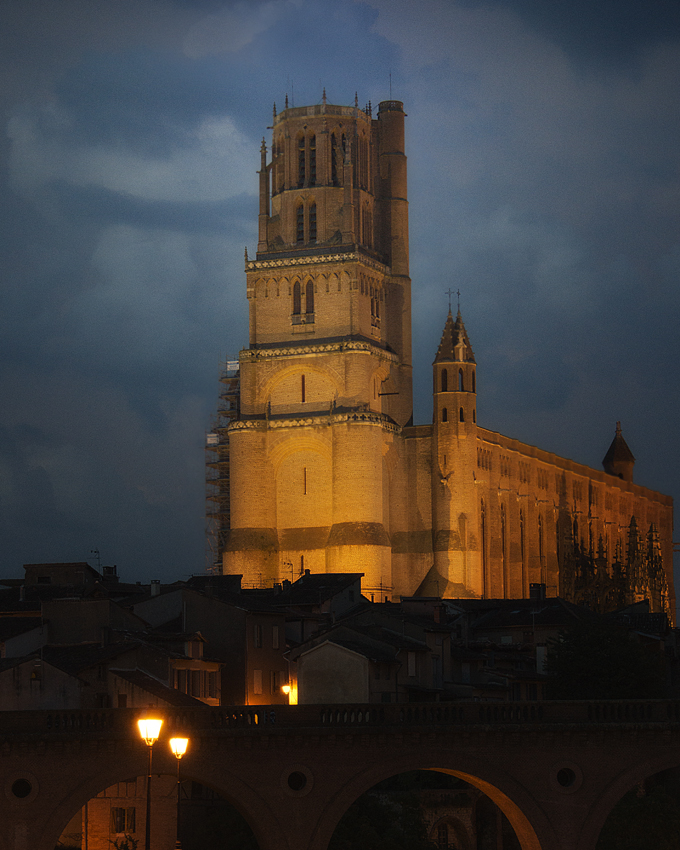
(450, 292)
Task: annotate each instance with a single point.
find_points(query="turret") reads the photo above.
(619, 459)
(454, 451)
(393, 186)
(263, 218)
(455, 379)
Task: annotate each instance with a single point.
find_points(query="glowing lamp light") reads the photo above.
(285, 689)
(179, 746)
(150, 729)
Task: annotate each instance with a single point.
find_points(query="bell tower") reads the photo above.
(454, 453)
(326, 380)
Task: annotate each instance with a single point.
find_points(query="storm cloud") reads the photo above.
(543, 184)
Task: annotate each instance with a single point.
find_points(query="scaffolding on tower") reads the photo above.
(217, 513)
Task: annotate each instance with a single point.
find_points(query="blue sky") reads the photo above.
(543, 183)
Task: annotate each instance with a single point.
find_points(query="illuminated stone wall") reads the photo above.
(327, 471)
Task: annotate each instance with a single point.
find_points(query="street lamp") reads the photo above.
(149, 729)
(178, 747)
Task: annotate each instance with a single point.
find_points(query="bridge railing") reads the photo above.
(267, 718)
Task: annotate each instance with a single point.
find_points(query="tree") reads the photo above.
(389, 817)
(597, 659)
(647, 818)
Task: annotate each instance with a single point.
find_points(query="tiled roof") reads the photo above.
(152, 686)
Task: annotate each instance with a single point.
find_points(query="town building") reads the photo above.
(317, 462)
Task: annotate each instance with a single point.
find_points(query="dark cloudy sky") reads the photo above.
(544, 184)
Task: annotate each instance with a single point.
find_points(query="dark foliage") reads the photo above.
(219, 827)
(597, 659)
(388, 817)
(647, 818)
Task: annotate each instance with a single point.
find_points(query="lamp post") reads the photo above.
(149, 729)
(178, 747)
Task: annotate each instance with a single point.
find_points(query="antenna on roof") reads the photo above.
(95, 552)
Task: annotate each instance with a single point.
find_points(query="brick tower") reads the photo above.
(326, 380)
(326, 469)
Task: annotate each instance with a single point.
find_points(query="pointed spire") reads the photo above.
(619, 459)
(455, 344)
(246, 253)
(323, 99)
(356, 100)
(274, 115)
(286, 100)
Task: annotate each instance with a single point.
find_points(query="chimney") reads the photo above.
(155, 587)
(537, 591)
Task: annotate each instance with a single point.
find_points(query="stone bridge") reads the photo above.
(555, 769)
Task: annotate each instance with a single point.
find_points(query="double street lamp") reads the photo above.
(178, 747)
(150, 729)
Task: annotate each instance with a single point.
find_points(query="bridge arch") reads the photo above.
(603, 806)
(529, 822)
(202, 767)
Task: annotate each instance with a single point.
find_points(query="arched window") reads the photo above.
(297, 300)
(482, 518)
(474, 382)
(445, 380)
(312, 160)
(461, 383)
(367, 226)
(504, 551)
(541, 553)
(309, 297)
(462, 415)
(302, 388)
(301, 163)
(334, 160)
(300, 223)
(312, 223)
(445, 415)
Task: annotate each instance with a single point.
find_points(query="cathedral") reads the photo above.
(322, 468)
